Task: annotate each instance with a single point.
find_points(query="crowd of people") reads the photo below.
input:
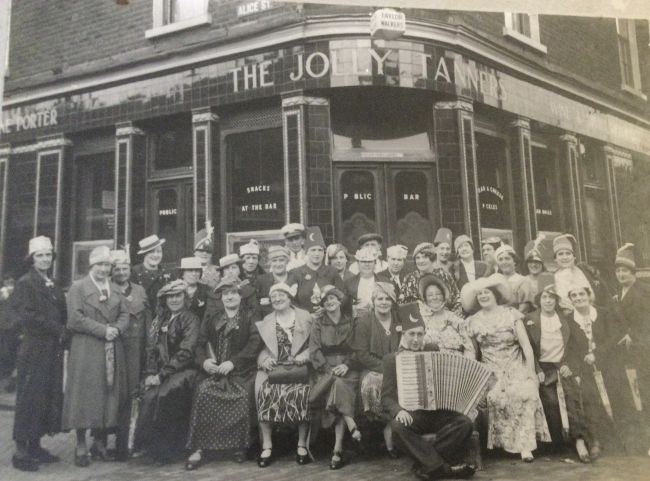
(208, 360)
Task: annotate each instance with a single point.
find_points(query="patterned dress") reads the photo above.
(410, 289)
(220, 412)
(447, 331)
(283, 403)
(515, 412)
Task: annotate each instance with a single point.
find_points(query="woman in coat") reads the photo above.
(96, 392)
(166, 404)
(40, 310)
(336, 379)
(549, 333)
(285, 334)
(223, 410)
(197, 293)
(376, 335)
(134, 338)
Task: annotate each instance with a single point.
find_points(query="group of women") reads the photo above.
(208, 359)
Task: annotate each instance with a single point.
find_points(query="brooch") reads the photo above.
(102, 298)
(307, 277)
(201, 303)
(530, 323)
(129, 298)
(398, 328)
(163, 329)
(49, 283)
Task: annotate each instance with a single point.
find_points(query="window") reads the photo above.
(524, 28)
(256, 180)
(547, 191)
(170, 146)
(628, 57)
(173, 15)
(95, 194)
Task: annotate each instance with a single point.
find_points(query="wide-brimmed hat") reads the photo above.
(149, 243)
(387, 288)
(470, 290)
(565, 241)
(174, 287)
(443, 235)
(424, 247)
(398, 251)
(625, 257)
(370, 236)
(277, 251)
(120, 256)
(330, 290)
(410, 316)
(431, 279)
(39, 243)
(228, 283)
(99, 254)
(228, 260)
(252, 248)
(191, 264)
(293, 229)
(291, 291)
(460, 240)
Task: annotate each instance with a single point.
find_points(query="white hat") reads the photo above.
(366, 254)
(191, 263)
(120, 256)
(251, 248)
(565, 241)
(293, 229)
(99, 254)
(228, 260)
(505, 248)
(149, 243)
(40, 243)
(399, 251)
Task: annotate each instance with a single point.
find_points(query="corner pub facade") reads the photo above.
(122, 119)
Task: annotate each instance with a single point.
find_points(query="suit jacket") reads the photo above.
(481, 269)
(385, 276)
(534, 330)
(299, 346)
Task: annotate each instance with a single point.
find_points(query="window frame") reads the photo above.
(532, 41)
(162, 27)
(626, 32)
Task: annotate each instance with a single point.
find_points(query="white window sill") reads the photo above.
(529, 42)
(204, 19)
(631, 90)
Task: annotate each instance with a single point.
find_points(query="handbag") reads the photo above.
(289, 373)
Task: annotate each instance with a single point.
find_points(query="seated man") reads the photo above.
(433, 460)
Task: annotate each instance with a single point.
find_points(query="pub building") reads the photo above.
(123, 119)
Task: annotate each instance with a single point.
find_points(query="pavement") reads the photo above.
(362, 467)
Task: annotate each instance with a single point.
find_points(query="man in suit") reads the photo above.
(437, 459)
(396, 257)
(467, 269)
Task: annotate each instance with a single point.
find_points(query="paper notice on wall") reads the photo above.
(108, 199)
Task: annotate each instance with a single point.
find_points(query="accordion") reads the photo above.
(440, 380)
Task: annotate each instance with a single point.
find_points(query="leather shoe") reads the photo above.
(81, 460)
(337, 460)
(24, 464)
(303, 459)
(264, 462)
(43, 456)
(460, 471)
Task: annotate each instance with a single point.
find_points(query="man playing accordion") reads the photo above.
(441, 458)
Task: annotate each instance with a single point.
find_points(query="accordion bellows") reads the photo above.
(440, 380)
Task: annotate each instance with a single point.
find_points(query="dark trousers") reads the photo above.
(452, 432)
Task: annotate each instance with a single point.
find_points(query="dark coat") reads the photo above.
(134, 338)
(389, 399)
(214, 304)
(635, 310)
(89, 402)
(199, 301)
(152, 281)
(385, 276)
(370, 343)
(481, 269)
(172, 349)
(534, 331)
(41, 312)
(245, 343)
(306, 278)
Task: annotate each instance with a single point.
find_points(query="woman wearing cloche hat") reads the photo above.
(39, 307)
(515, 414)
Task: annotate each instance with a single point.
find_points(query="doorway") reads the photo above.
(394, 200)
(170, 217)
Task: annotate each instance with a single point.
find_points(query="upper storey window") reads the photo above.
(524, 28)
(173, 15)
(628, 55)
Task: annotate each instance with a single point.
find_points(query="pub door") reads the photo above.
(170, 217)
(395, 200)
